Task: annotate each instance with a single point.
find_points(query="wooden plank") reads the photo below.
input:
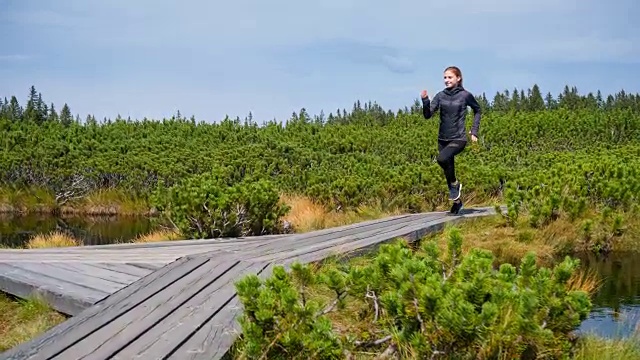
(201, 310)
(63, 296)
(57, 339)
(177, 251)
(161, 254)
(97, 257)
(97, 272)
(122, 268)
(411, 233)
(111, 338)
(215, 337)
(153, 266)
(299, 240)
(86, 281)
(295, 239)
(151, 245)
(213, 340)
(326, 242)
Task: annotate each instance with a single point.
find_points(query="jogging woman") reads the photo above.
(452, 103)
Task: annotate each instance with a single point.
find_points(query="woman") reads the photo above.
(452, 103)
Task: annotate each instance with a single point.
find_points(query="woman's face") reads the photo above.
(450, 79)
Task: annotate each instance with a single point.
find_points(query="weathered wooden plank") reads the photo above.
(161, 254)
(97, 258)
(202, 309)
(63, 296)
(356, 248)
(300, 240)
(111, 338)
(122, 268)
(348, 250)
(296, 239)
(97, 272)
(327, 242)
(183, 250)
(148, 265)
(151, 245)
(215, 337)
(66, 334)
(87, 281)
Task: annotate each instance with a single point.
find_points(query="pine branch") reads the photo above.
(372, 295)
(389, 351)
(374, 342)
(333, 304)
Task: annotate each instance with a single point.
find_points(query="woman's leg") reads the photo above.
(447, 152)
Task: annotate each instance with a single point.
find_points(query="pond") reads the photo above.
(615, 313)
(15, 231)
(616, 304)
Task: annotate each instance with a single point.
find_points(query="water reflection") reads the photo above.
(16, 230)
(616, 305)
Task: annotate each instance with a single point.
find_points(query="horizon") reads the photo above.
(321, 112)
(140, 60)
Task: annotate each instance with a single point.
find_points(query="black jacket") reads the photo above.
(452, 104)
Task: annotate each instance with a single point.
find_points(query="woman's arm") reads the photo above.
(429, 107)
(473, 103)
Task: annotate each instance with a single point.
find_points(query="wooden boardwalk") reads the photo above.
(74, 278)
(175, 300)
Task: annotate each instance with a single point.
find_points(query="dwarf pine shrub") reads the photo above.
(416, 304)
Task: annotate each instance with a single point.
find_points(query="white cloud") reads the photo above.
(14, 57)
(576, 49)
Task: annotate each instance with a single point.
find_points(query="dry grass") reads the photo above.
(157, 236)
(506, 243)
(23, 320)
(587, 280)
(306, 215)
(54, 239)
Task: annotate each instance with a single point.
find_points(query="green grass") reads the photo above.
(22, 320)
(595, 348)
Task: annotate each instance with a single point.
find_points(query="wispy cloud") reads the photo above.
(577, 49)
(342, 54)
(15, 57)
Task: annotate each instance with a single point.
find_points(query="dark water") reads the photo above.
(616, 305)
(15, 231)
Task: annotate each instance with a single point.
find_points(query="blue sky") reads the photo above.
(210, 58)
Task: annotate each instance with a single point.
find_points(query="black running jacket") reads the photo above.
(452, 104)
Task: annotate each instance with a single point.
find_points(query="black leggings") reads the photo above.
(448, 150)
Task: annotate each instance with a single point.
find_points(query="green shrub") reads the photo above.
(215, 205)
(414, 303)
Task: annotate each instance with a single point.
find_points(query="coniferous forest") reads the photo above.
(545, 153)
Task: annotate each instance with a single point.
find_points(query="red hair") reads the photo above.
(456, 71)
